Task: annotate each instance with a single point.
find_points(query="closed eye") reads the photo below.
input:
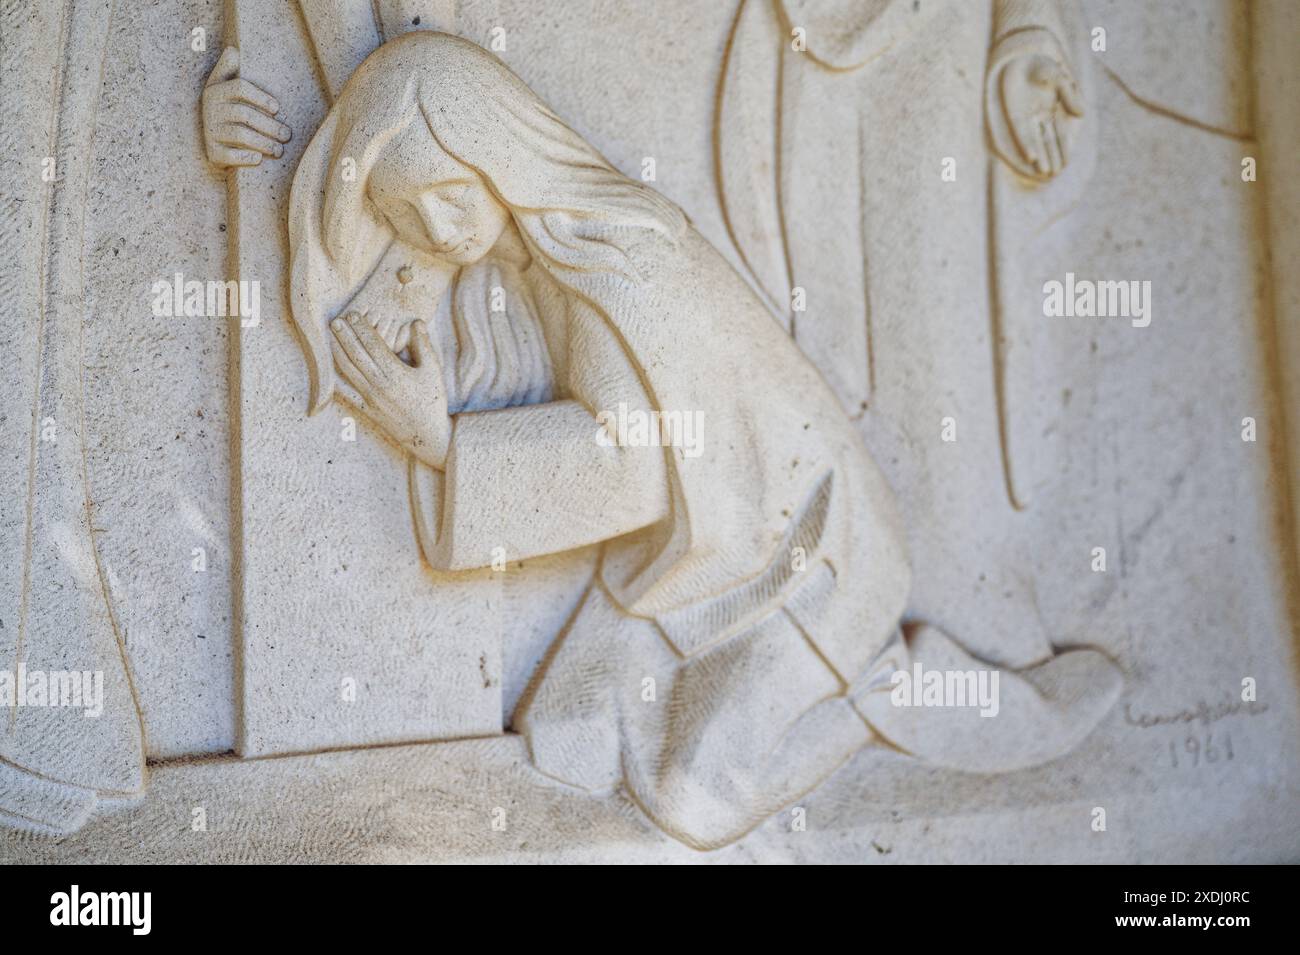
(452, 192)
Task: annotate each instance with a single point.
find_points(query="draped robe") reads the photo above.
(776, 549)
(899, 270)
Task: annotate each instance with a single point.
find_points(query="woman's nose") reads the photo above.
(436, 223)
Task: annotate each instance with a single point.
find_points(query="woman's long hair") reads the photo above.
(575, 212)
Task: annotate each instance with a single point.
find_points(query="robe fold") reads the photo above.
(891, 278)
(782, 494)
(752, 582)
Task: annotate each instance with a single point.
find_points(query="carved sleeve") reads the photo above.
(1027, 27)
(544, 478)
(1013, 16)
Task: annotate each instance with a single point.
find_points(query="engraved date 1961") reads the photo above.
(1200, 749)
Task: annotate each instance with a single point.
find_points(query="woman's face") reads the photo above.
(434, 202)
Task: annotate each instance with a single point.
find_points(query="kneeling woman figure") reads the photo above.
(745, 584)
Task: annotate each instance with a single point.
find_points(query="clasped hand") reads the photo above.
(406, 402)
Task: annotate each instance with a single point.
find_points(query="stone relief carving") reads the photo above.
(657, 502)
(239, 124)
(759, 608)
(847, 226)
(59, 639)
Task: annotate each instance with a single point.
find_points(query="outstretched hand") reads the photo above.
(407, 402)
(1037, 94)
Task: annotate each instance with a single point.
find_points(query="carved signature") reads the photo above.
(1204, 713)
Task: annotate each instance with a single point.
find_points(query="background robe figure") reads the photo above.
(877, 248)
